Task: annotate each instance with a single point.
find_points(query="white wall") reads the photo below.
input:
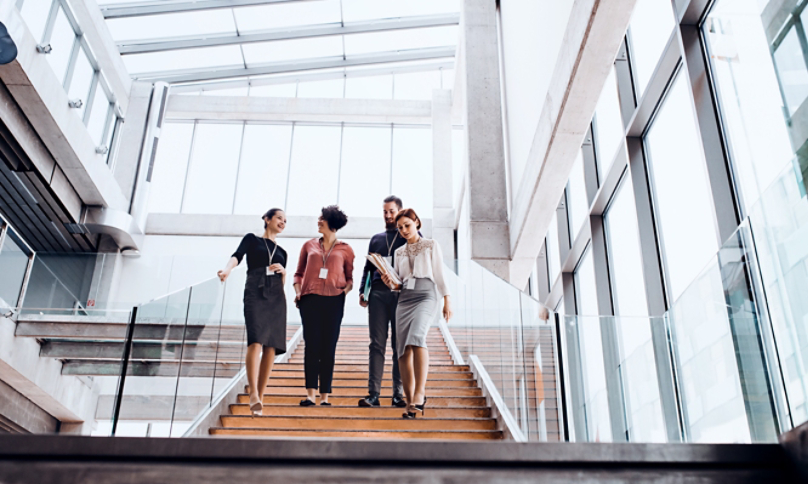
(532, 31)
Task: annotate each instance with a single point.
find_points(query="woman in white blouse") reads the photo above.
(419, 265)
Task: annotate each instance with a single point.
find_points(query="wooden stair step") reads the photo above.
(354, 423)
(243, 408)
(386, 392)
(364, 367)
(387, 376)
(349, 400)
(381, 434)
(300, 381)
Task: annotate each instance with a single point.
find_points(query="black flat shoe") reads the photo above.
(325, 403)
(372, 400)
(398, 401)
(306, 403)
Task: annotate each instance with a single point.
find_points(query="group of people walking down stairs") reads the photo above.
(405, 305)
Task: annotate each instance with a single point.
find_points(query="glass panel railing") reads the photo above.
(15, 258)
(502, 327)
(779, 221)
(182, 352)
(709, 349)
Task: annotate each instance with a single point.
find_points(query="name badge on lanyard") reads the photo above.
(389, 260)
(411, 283)
(270, 256)
(324, 270)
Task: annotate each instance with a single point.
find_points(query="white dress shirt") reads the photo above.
(423, 260)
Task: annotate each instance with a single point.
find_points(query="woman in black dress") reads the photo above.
(264, 302)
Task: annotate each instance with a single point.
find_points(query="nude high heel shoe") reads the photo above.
(256, 406)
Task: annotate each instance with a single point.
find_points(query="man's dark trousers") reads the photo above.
(382, 314)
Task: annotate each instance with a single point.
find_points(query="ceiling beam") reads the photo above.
(315, 76)
(322, 30)
(157, 7)
(229, 72)
(314, 110)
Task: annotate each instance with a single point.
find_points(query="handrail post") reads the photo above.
(561, 386)
(127, 350)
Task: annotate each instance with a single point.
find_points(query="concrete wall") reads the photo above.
(69, 399)
(531, 37)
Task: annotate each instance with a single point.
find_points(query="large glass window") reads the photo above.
(416, 85)
(589, 335)
(681, 191)
(35, 14)
(13, 265)
(637, 364)
(651, 27)
(314, 176)
(170, 166)
(750, 96)
(83, 74)
(625, 263)
(263, 168)
(577, 200)
(99, 115)
(365, 170)
(609, 131)
(372, 87)
(412, 168)
(553, 250)
(331, 88)
(61, 41)
(212, 170)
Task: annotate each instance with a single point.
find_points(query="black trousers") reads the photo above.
(322, 317)
(381, 317)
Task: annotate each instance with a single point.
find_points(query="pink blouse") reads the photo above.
(339, 265)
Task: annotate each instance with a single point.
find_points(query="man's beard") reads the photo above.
(390, 225)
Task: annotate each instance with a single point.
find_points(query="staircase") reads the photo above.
(456, 409)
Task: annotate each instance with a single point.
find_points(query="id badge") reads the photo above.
(411, 283)
(323, 273)
(389, 260)
(270, 272)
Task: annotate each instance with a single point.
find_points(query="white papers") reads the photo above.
(384, 267)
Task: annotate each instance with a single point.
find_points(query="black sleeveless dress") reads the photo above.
(264, 297)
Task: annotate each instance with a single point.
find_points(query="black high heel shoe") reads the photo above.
(409, 414)
(421, 407)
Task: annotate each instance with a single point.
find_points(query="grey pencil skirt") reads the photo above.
(265, 310)
(414, 314)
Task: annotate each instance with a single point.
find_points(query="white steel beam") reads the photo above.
(156, 7)
(311, 110)
(322, 30)
(315, 76)
(210, 74)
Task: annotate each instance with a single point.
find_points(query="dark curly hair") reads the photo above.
(334, 217)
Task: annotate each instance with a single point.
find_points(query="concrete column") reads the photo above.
(488, 198)
(443, 213)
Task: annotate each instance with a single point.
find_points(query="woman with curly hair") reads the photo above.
(323, 278)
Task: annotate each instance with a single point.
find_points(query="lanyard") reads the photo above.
(390, 244)
(272, 256)
(325, 257)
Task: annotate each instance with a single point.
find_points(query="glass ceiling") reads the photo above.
(226, 43)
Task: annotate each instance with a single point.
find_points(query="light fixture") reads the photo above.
(44, 49)
(101, 150)
(75, 103)
(130, 252)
